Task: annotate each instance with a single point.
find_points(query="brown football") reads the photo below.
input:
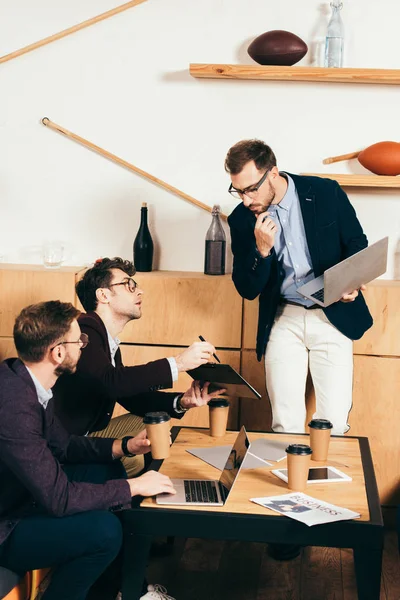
(382, 158)
(277, 47)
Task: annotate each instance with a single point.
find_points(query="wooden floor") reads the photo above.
(213, 570)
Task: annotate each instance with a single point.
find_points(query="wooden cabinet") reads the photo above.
(376, 415)
(21, 285)
(383, 339)
(180, 306)
(7, 348)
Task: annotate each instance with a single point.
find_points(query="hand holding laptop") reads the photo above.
(351, 296)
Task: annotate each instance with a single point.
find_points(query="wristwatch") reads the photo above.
(179, 407)
(124, 445)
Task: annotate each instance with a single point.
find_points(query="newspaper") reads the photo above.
(306, 509)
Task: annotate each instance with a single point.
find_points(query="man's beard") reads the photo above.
(68, 367)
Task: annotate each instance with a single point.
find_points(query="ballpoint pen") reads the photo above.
(214, 355)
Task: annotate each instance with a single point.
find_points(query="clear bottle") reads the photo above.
(214, 260)
(143, 244)
(334, 40)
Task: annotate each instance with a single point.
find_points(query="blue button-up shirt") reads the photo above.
(43, 395)
(291, 245)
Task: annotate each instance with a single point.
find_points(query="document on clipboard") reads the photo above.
(224, 376)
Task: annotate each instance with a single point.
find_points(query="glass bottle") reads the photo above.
(214, 260)
(334, 37)
(143, 245)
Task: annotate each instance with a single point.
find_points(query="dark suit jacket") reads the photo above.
(85, 401)
(333, 233)
(33, 443)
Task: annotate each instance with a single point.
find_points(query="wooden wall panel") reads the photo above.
(7, 348)
(250, 320)
(21, 285)
(180, 306)
(383, 299)
(136, 355)
(376, 415)
(256, 415)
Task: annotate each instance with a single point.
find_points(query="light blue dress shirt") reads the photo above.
(291, 245)
(43, 395)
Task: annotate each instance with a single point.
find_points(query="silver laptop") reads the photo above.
(202, 492)
(348, 275)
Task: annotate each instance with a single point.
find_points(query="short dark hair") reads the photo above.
(245, 151)
(38, 326)
(100, 276)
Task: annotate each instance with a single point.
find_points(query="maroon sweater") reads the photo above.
(33, 443)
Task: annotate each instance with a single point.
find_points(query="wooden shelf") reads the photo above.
(273, 73)
(363, 181)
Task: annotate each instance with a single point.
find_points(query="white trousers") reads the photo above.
(300, 340)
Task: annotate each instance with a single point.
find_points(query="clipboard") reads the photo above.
(224, 376)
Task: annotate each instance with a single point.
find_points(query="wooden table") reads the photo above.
(242, 520)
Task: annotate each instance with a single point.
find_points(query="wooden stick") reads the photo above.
(333, 159)
(73, 29)
(124, 163)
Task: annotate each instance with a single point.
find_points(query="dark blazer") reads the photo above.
(33, 443)
(85, 400)
(333, 233)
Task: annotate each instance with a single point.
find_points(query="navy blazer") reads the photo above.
(333, 233)
(33, 444)
(85, 401)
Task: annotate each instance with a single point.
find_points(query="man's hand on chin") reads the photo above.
(198, 396)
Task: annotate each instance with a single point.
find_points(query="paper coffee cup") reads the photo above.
(219, 411)
(320, 435)
(298, 464)
(158, 432)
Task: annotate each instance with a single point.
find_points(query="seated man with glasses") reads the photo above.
(60, 494)
(85, 401)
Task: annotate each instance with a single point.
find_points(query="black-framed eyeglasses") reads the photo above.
(83, 341)
(130, 283)
(251, 189)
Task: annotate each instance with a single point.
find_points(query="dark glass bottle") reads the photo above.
(143, 244)
(214, 260)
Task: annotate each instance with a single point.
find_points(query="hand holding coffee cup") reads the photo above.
(320, 435)
(298, 465)
(219, 412)
(158, 428)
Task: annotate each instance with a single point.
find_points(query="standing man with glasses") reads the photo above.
(287, 230)
(85, 400)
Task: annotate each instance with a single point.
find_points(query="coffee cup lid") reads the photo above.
(320, 424)
(152, 418)
(219, 402)
(299, 449)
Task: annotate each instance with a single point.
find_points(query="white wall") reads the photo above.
(124, 85)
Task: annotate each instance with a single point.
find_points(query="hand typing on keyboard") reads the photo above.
(351, 296)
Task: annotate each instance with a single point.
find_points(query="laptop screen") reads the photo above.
(235, 460)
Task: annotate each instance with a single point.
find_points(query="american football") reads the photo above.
(277, 47)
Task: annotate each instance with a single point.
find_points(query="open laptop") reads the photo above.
(224, 376)
(202, 492)
(348, 275)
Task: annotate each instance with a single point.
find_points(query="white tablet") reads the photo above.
(317, 475)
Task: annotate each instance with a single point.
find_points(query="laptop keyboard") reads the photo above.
(200, 491)
(319, 295)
